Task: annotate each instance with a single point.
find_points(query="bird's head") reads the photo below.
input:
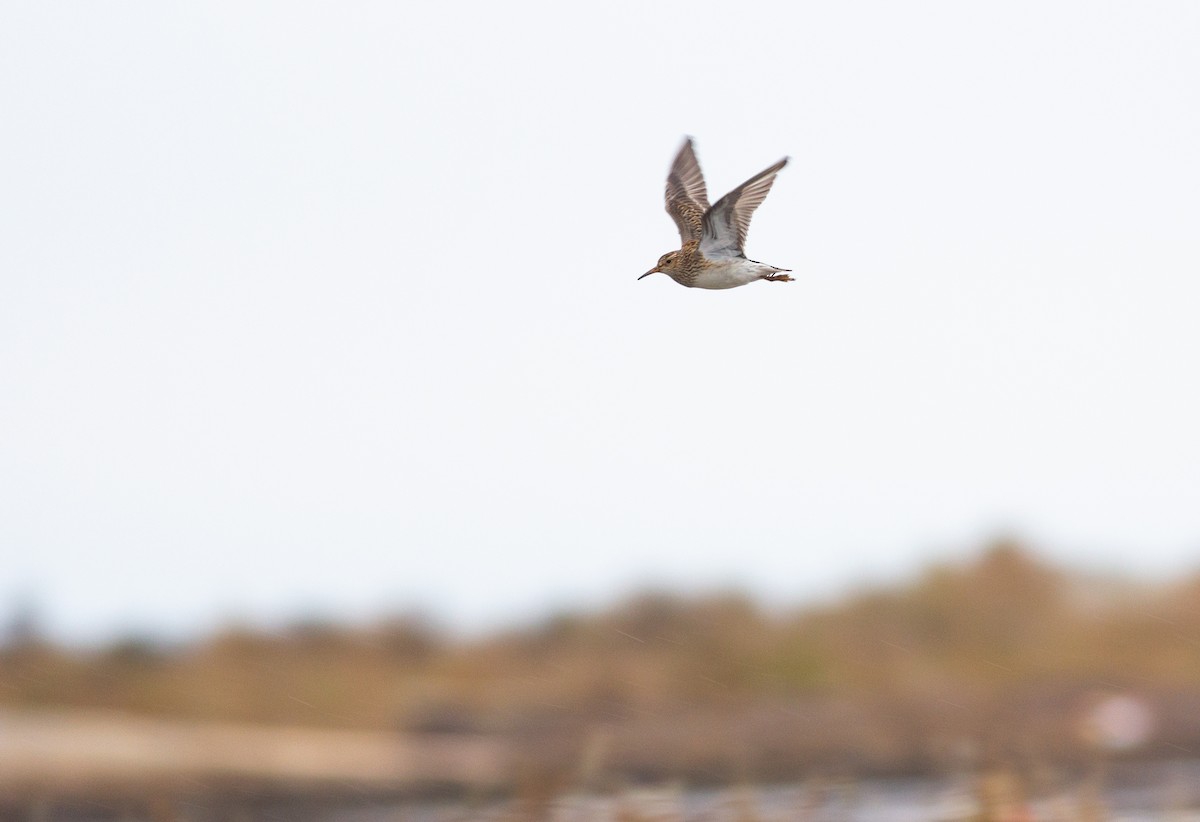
(667, 263)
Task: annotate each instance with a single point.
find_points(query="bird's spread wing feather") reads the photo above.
(687, 198)
(726, 223)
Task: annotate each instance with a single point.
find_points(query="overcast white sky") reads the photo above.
(334, 307)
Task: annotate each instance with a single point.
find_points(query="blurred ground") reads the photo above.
(73, 751)
(1003, 662)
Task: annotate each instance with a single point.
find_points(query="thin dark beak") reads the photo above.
(651, 271)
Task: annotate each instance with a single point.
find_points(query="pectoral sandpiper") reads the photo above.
(711, 256)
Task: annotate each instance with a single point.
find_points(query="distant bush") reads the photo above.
(997, 658)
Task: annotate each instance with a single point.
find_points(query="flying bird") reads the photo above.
(713, 236)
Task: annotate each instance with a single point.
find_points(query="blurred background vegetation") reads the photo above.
(1003, 660)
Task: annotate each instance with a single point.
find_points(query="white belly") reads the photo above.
(732, 272)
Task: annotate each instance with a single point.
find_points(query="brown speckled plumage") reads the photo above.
(683, 266)
(687, 196)
(713, 236)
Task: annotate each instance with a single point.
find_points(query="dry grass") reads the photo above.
(1000, 662)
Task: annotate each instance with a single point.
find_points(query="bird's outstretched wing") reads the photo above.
(687, 198)
(726, 223)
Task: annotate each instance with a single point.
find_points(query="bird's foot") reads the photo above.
(779, 278)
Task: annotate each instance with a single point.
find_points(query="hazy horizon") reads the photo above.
(27, 614)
